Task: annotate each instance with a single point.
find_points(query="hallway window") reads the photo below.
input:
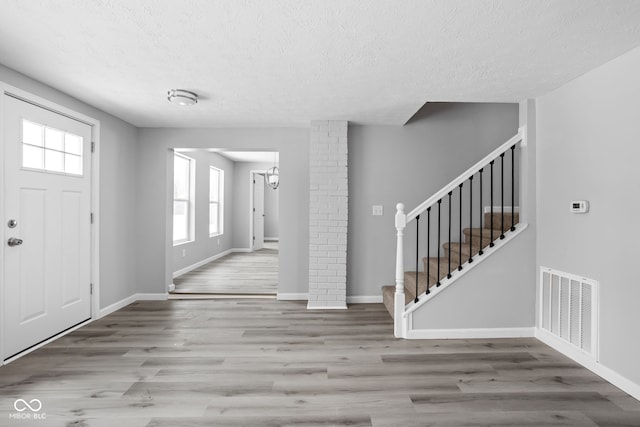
(183, 173)
(216, 201)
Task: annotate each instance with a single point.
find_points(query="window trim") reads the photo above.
(190, 201)
(219, 203)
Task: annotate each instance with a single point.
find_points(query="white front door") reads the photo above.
(47, 234)
(258, 211)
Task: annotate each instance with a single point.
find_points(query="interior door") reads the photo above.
(47, 238)
(258, 212)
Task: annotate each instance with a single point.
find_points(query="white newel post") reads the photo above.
(401, 223)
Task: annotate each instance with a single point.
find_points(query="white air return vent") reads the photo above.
(569, 309)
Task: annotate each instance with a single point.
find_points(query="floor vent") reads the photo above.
(569, 309)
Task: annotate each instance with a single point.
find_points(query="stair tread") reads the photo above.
(486, 233)
(457, 248)
(410, 283)
(444, 268)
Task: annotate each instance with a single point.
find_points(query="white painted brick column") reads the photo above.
(328, 215)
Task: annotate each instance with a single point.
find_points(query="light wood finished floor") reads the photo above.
(274, 363)
(237, 273)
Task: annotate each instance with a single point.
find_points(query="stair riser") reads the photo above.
(455, 248)
(410, 283)
(497, 220)
(486, 235)
(444, 269)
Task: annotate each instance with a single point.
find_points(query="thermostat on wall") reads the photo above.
(579, 206)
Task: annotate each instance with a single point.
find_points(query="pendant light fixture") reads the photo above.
(272, 176)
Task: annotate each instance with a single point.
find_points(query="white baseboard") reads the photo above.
(201, 263)
(117, 306)
(152, 297)
(364, 299)
(336, 306)
(129, 300)
(591, 364)
(421, 334)
(292, 297)
(271, 239)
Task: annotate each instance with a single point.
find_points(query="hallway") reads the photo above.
(253, 273)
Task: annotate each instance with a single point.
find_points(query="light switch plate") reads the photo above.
(377, 210)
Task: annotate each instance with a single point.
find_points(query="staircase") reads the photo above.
(457, 228)
(475, 238)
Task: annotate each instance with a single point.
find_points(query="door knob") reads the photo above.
(14, 241)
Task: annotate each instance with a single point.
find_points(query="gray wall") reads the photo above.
(241, 201)
(153, 204)
(118, 167)
(388, 165)
(271, 211)
(203, 246)
(588, 140)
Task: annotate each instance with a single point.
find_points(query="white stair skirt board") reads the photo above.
(364, 299)
(481, 333)
(588, 362)
(292, 297)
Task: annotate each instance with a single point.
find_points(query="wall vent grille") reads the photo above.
(569, 309)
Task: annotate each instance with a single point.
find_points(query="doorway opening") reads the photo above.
(225, 224)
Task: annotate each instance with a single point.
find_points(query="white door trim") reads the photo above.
(6, 89)
(252, 174)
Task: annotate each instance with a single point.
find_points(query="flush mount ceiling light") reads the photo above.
(182, 97)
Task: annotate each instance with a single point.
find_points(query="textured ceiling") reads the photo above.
(286, 62)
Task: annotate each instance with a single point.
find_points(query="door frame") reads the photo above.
(252, 175)
(6, 89)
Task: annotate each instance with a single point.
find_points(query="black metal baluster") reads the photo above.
(480, 224)
(471, 218)
(438, 269)
(428, 248)
(449, 273)
(417, 252)
(513, 150)
(502, 196)
(491, 244)
(460, 222)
